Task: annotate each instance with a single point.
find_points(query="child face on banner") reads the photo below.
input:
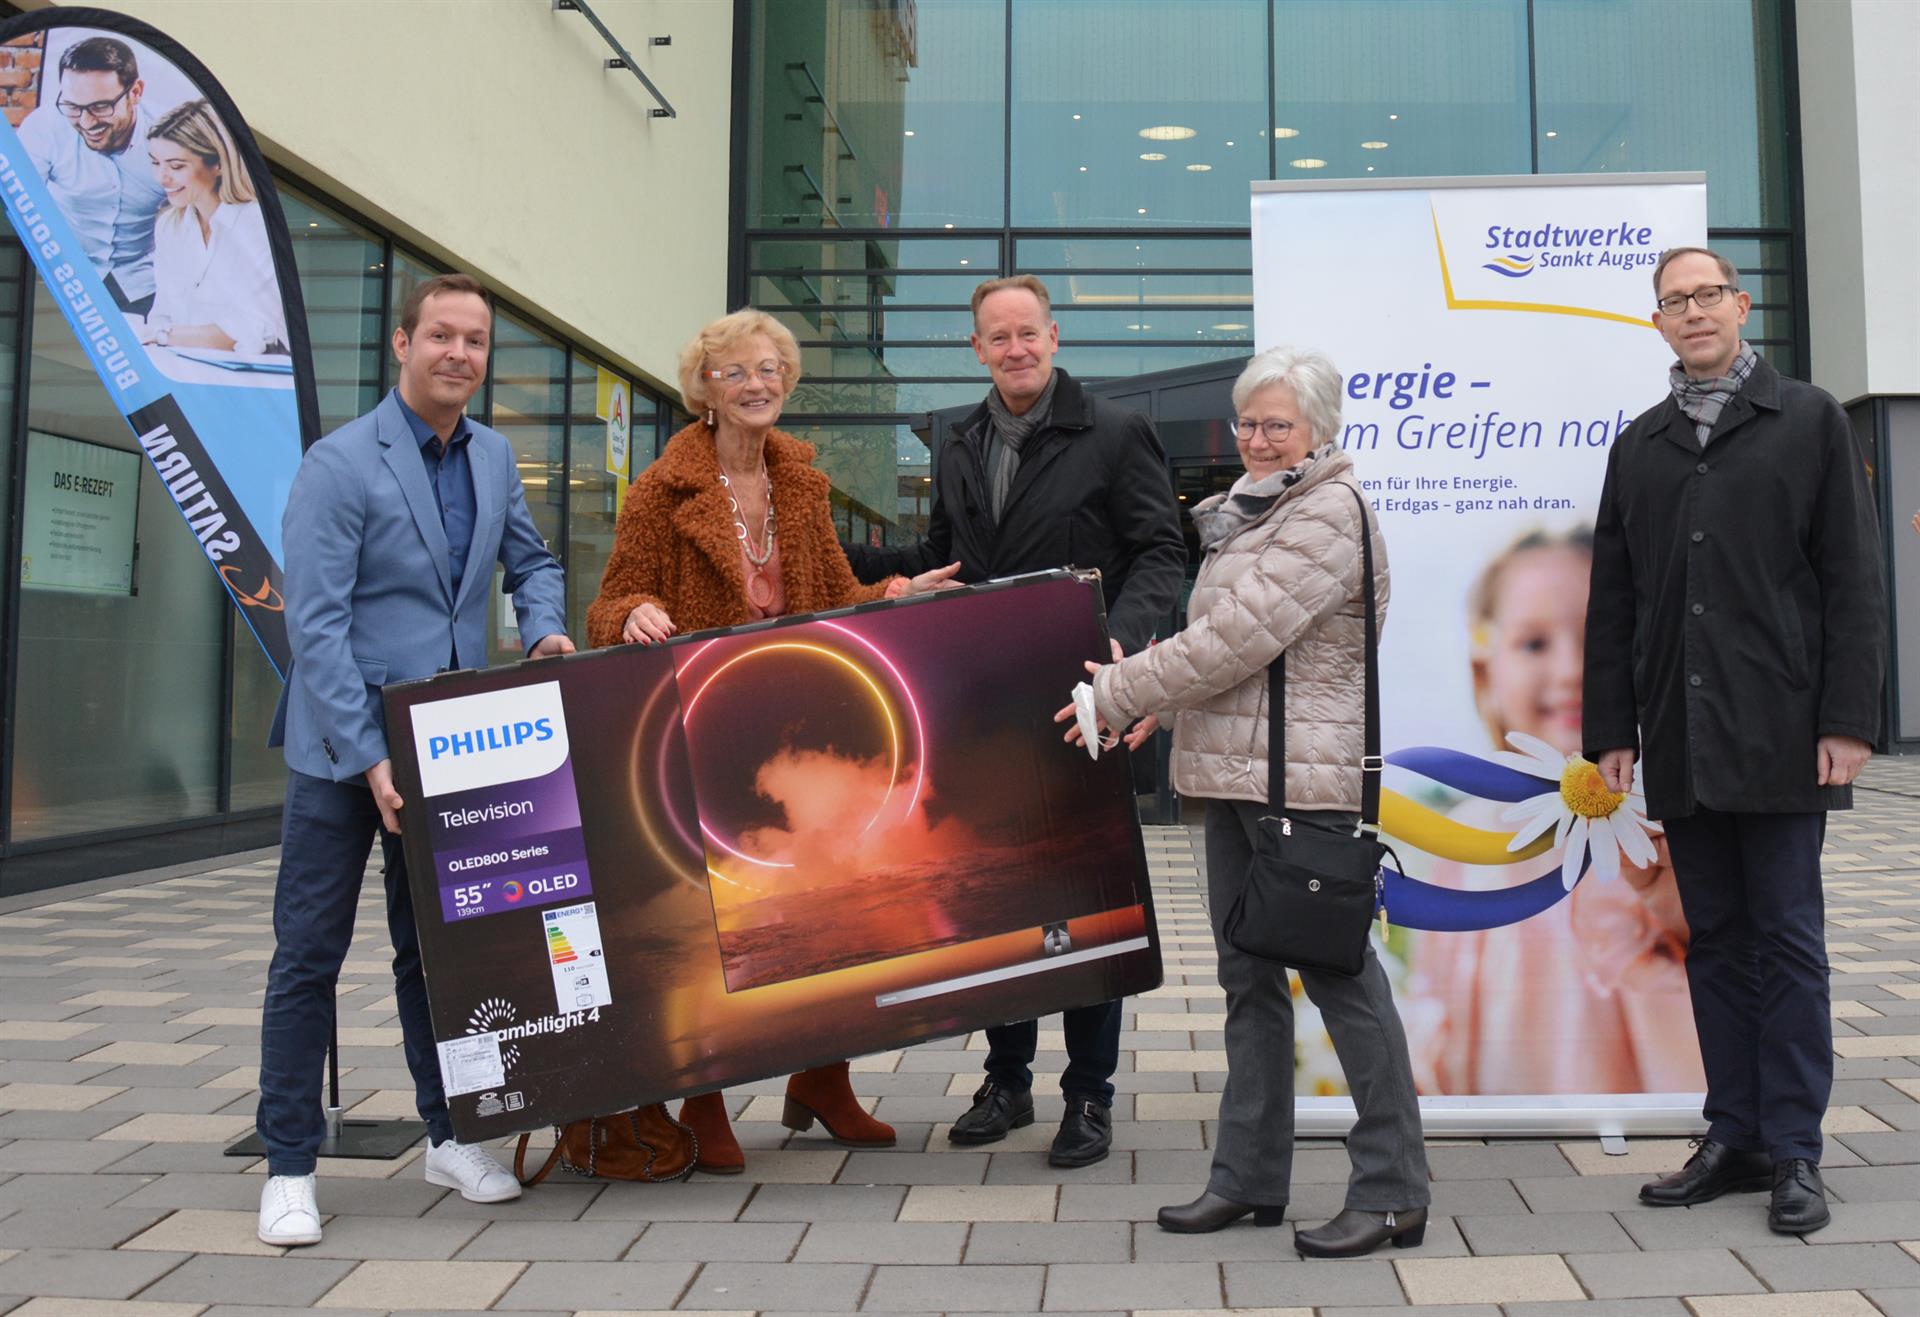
(1527, 668)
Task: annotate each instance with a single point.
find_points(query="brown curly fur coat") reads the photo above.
(676, 545)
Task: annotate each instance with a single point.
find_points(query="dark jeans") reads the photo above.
(1093, 1052)
(326, 834)
(1757, 969)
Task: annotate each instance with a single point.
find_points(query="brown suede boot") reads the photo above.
(719, 1151)
(826, 1095)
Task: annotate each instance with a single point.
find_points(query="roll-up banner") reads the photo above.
(145, 204)
(1495, 336)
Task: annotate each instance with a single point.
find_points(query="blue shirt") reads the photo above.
(110, 200)
(451, 476)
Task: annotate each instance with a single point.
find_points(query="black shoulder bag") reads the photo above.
(1311, 890)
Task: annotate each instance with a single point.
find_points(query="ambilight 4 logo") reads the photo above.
(483, 740)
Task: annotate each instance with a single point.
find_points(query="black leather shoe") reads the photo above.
(1714, 1169)
(1799, 1198)
(1086, 1133)
(1210, 1212)
(995, 1110)
(1354, 1233)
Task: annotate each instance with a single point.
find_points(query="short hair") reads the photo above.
(194, 126)
(440, 283)
(102, 55)
(1029, 282)
(1728, 275)
(719, 335)
(1311, 375)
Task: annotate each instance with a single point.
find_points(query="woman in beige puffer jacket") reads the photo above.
(1282, 576)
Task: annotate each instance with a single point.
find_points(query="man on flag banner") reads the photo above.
(150, 214)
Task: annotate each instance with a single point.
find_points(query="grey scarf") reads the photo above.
(1248, 500)
(1007, 434)
(1704, 400)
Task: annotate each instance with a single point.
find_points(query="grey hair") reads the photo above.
(1311, 375)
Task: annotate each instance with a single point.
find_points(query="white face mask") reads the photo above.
(1087, 718)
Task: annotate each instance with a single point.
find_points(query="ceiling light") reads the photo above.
(1139, 326)
(946, 226)
(1229, 327)
(909, 132)
(1153, 155)
(1076, 118)
(1229, 143)
(1286, 132)
(1369, 169)
(1143, 210)
(1551, 133)
(1373, 146)
(1083, 169)
(1199, 169)
(1168, 132)
(963, 260)
(1393, 116)
(1308, 162)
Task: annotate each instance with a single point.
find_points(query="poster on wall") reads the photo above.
(77, 519)
(650, 871)
(135, 186)
(1495, 336)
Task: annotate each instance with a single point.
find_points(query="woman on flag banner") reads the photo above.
(732, 525)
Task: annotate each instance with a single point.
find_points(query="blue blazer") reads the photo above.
(369, 595)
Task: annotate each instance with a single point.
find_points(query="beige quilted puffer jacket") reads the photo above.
(1288, 582)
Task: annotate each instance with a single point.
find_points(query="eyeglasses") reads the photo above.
(98, 109)
(1705, 298)
(770, 372)
(1276, 431)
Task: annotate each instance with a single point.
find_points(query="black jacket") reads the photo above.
(1091, 491)
(1738, 611)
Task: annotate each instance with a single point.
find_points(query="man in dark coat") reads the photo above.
(1736, 635)
(1044, 475)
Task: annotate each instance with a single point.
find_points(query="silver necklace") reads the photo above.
(768, 526)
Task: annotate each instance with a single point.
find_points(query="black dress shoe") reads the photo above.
(1086, 1133)
(1714, 1169)
(1354, 1233)
(1799, 1198)
(1210, 1212)
(995, 1110)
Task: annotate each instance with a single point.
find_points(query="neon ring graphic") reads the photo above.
(897, 767)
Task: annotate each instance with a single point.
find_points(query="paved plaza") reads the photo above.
(129, 1037)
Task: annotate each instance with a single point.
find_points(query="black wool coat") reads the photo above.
(1738, 611)
(1091, 492)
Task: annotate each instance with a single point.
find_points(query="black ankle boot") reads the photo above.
(1210, 1212)
(1354, 1233)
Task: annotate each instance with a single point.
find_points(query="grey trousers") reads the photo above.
(1253, 1155)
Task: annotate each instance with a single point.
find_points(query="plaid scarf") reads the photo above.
(1219, 520)
(1703, 400)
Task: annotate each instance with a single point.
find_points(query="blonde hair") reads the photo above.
(1484, 596)
(727, 332)
(1030, 282)
(195, 127)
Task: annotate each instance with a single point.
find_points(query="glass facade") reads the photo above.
(903, 150)
(148, 711)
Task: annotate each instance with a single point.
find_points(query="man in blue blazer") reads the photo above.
(392, 529)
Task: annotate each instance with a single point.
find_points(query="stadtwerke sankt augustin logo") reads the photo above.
(1625, 246)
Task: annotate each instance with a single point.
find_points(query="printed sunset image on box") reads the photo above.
(862, 797)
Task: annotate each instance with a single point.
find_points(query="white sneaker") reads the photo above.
(288, 1214)
(470, 1169)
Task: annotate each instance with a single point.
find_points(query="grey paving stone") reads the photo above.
(733, 1241)
(1425, 1310)
(1854, 1223)
(956, 1289)
(1900, 1115)
(406, 1194)
(59, 1124)
(248, 1310)
(164, 1158)
(1892, 1148)
(1560, 1232)
(1855, 1184)
(914, 1168)
(1819, 1266)
(705, 1201)
(826, 1286)
(189, 1189)
(1149, 1135)
(1506, 1162)
(1078, 1286)
(571, 1286)
(933, 1243)
(1032, 1168)
(1049, 1241)
(84, 1273)
(1464, 1198)
(1656, 1228)
(1187, 1167)
(75, 1227)
(551, 1241)
(1119, 1202)
(1597, 1308)
(61, 1155)
(63, 1191)
(360, 1237)
(1673, 1272)
(824, 1202)
(1311, 1284)
(1896, 1303)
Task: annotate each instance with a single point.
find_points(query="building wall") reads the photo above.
(490, 134)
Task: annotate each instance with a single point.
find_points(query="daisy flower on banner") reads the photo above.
(1586, 818)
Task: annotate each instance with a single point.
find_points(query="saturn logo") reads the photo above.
(265, 597)
(512, 890)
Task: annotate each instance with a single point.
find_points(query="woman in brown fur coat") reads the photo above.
(731, 525)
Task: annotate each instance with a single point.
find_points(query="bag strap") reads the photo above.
(520, 1161)
(1370, 764)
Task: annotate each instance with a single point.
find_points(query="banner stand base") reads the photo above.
(1609, 1117)
(359, 1140)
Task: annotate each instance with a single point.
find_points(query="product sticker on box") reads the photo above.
(579, 962)
(470, 1064)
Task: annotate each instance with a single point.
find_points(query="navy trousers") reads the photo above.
(326, 833)
(1757, 969)
(1093, 1052)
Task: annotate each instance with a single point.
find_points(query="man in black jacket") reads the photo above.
(1043, 475)
(1736, 634)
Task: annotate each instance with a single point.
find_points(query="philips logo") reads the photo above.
(484, 740)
